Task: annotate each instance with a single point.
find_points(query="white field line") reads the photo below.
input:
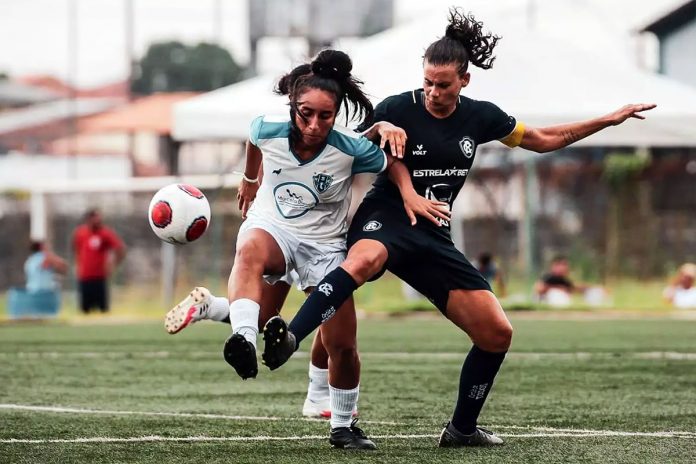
(66, 410)
(579, 355)
(525, 431)
(588, 432)
(203, 438)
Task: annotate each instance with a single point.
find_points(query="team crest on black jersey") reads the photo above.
(322, 182)
(467, 146)
(372, 226)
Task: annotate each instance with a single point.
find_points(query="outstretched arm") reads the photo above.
(545, 139)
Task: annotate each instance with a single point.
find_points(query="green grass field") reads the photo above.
(576, 390)
(382, 296)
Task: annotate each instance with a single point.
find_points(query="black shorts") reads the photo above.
(423, 256)
(93, 294)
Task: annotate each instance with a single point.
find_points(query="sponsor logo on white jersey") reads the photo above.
(372, 226)
(326, 288)
(419, 151)
(440, 172)
(294, 199)
(467, 146)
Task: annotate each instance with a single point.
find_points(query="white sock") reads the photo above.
(219, 308)
(244, 318)
(342, 404)
(318, 389)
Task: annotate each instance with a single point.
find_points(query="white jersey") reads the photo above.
(310, 198)
(684, 297)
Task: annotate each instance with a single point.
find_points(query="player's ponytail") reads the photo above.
(286, 84)
(464, 42)
(337, 65)
(329, 71)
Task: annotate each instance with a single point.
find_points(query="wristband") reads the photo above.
(251, 181)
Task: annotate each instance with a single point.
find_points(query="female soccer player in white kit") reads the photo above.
(298, 222)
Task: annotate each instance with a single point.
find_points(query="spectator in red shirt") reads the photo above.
(98, 250)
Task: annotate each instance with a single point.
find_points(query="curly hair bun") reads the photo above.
(474, 45)
(333, 64)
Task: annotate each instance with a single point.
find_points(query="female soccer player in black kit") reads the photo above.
(443, 130)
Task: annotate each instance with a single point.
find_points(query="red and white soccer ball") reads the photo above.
(179, 213)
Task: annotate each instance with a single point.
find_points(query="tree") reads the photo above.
(174, 67)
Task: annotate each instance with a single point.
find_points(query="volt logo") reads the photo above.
(419, 151)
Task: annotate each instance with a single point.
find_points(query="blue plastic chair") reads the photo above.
(23, 304)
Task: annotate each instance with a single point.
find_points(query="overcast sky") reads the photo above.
(34, 34)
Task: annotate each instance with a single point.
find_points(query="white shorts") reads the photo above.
(306, 262)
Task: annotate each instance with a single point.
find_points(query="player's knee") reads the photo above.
(501, 337)
(342, 352)
(363, 265)
(496, 338)
(247, 256)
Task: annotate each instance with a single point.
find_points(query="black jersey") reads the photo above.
(558, 281)
(439, 153)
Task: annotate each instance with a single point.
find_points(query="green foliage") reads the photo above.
(584, 260)
(174, 67)
(576, 374)
(15, 194)
(619, 168)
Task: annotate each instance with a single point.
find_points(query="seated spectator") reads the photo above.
(487, 267)
(555, 287)
(41, 268)
(682, 293)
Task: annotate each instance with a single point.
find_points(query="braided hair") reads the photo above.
(330, 71)
(464, 42)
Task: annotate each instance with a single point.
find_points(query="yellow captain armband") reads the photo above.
(514, 138)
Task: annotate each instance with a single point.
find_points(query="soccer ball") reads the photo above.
(179, 213)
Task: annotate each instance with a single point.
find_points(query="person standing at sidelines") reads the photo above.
(295, 230)
(98, 251)
(442, 132)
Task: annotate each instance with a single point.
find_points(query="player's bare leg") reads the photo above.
(257, 254)
(479, 314)
(339, 336)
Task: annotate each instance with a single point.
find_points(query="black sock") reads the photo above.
(478, 372)
(322, 303)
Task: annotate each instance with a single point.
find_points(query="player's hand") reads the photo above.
(629, 111)
(433, 211)
(390, 134)
(246, 196)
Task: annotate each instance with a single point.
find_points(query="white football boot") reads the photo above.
(191, 309)
(321, 408)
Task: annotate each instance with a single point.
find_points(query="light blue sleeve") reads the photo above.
(255, 130)
(368, 157)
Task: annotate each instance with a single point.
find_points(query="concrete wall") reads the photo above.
(678, 54)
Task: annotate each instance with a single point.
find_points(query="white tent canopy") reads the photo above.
(539, 80)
